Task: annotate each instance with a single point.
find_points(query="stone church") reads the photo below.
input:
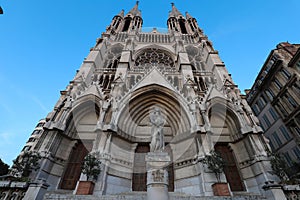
(134, 84)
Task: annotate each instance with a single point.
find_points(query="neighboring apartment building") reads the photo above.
(275, 98)
(34, 137)
(10, 186)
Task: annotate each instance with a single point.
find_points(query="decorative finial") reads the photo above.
(188, 16)
(172, 4)
(135, 11)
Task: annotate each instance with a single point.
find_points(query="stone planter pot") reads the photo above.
(221, 189)
(85, 188)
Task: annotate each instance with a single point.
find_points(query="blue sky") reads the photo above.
(43, 43)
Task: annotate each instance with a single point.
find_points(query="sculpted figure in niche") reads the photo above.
(157, 120)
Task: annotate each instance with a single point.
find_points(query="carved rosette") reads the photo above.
(157, 176)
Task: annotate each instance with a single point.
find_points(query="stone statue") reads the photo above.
(157, 120)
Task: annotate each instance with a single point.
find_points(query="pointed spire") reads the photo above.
(188, 16)
(174, 12)
(135, 11)
(121, 14)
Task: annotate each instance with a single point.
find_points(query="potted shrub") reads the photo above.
(24, 164)
(91, 167)
(216, 164)
(279, 167)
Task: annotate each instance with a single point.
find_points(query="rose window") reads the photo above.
(154, 57)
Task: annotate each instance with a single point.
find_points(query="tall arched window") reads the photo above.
(113, 63)
(73, 168)
(126, 24)
(182, 26)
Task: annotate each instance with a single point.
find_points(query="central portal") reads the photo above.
(231, 171)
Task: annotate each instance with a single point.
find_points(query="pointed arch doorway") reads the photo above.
(231, 170)
(73, 168)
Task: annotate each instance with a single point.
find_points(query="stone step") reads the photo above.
(240, 196)
(123, 196)
(143, 196)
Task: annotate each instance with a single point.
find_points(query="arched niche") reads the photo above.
(80, 126)
(82, 119)
(134, 117)
(225, 124)
(226, 128)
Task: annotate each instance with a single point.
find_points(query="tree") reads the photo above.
(25, 163)
(279, 166)
(3, 168)
(91, 166)
(215, 163)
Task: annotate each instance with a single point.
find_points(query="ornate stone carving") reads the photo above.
(158, 175)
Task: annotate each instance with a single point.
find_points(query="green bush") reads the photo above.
(25, 163)
(91, 166)
(215, 163)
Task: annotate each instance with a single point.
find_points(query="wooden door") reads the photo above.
(171, 177)
(139, 179)
(73, 169)
(170, 169)
(231, 171)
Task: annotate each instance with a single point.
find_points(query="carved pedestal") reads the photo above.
(36, 190)
(157, 175)
(274, 191)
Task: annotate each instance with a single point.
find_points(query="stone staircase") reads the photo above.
(124, 196)
(143, 196)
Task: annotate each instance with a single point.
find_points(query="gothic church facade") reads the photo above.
(106, 107)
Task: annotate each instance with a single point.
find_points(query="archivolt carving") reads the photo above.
(135, 116)
(224, 121)
(154, 57)
(83, 114)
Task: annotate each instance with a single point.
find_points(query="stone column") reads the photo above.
(157, 175)
(274, 191)
(36, 190)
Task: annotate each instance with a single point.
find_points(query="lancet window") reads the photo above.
(182, 26)
(113, 63)
(127, 24)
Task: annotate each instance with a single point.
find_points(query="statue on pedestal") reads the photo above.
(157, 120)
